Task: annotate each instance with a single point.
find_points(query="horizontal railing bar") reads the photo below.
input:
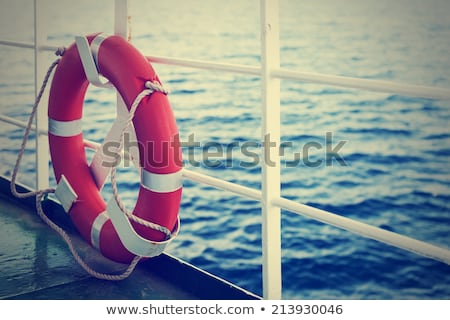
(49, 48)
(360, 228)
(18, 44)
(406, 89)
(393, 87)
(26, 45)
(205, 179)
(368, 231)
(222, 184)
(411, 90)
(201, 64)
(197, 64)
(19, 123)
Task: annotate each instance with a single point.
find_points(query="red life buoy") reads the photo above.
(158, 141)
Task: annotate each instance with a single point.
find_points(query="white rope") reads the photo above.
(156, 86)
(151, 87)
(26, 134)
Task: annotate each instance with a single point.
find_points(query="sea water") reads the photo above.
(378, 158)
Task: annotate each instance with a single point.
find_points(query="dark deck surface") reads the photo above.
(36, 263)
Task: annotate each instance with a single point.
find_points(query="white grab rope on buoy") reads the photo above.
(151, 87)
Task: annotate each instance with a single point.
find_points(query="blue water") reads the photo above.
(394, 172)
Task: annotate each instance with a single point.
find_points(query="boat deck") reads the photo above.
(37, 264)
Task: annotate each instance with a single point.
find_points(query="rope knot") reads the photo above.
(156, 86)
(60, 51)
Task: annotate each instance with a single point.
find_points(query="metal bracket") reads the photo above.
(90, 68)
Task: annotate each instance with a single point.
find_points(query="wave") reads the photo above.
(382, 159)
(439, 136)
(187, 91)
(379, 132)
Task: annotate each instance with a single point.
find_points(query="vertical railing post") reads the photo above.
(40, 69)
(121, 29)
(271, 224)
(121, 18)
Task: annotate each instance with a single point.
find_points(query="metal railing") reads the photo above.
(269, 196)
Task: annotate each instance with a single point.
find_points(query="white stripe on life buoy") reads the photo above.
(64, 128)
(97, 226)
(161, 183)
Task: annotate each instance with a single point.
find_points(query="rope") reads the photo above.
(151, 87)
(41, 193)
(27, 134)
(112, 277)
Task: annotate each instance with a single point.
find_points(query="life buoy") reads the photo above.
(160, 188)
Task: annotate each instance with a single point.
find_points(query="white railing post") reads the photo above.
(121, 18)
(271, 224)
(41, 63)
(120, 29)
